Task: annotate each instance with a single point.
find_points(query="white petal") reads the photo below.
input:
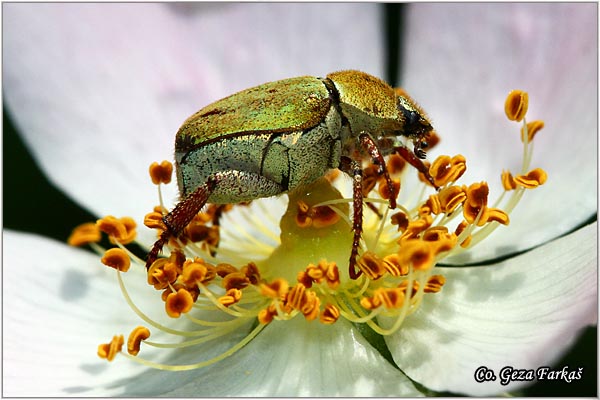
(59, 305)
(299, 358)
(463, 59)
(99, 90)
(524, 312)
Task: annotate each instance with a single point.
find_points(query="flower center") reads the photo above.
(222, 278)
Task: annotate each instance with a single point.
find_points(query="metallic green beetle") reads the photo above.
(280, 136)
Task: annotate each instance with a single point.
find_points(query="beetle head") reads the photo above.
(416, 126)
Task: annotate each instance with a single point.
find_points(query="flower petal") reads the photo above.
(300, 358)
(524, 312)
(99, 90)
(59, 304)
(461, 71)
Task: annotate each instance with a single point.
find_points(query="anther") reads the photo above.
(135, 339)
(532, 179)
(116, 258)
(371, 265)
(178, 303)
(516, 105)
(533, 127)
(84, 234)
(108, 351)
(434, 284)
(232, 296)
(329, 315)
(161, 173)
(508, 182)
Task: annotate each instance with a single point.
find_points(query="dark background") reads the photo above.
(33, 204)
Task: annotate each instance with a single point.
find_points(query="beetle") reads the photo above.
(280, 136)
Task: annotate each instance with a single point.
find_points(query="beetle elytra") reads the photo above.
(280, 136)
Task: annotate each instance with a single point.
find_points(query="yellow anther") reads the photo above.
(108, 351)
(162, 272)
(296, 297)
(401, 220)
(193, 273)
(252, 273)
(329, 315)
(459, 229)
(179, 303)
(315, 273)
(311, 307)
(533, 127)
(135, 339)
(121, 230)
(383, 188)
(317, 217)
(498, 215)
(116, 258)
(154, 220)
(332, 273)
(388, 297)
(237, 280)
(161, 173)
(477, 195)
(371, 265)
(451, 198)
(434, 204)
(516, 105)
(198, 232)
(224, 269)
(418, 253)
(395, 164)
(508, 182)
(404, 287)
(445, 169)
(532, 179)
(393, 265)
(265, 316)
(434, 284)
(84, 234)
(277, 289)
(232, 296)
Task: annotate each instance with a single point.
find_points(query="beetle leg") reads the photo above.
(367, 143)
(416, 162)
(181, 216)
(354, 169)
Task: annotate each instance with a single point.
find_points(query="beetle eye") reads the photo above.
(424, 145)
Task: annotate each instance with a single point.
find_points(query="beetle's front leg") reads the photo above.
(367, 143)
(353, 168)
(182, 215)
(416, 162)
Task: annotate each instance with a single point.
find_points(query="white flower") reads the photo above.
(98, 90)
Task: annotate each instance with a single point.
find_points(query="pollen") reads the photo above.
(516, 105)
(108, 351)
(116, 258)
(135, 339)
(84, 234)
(161, 173)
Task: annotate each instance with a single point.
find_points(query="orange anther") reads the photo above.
(434, 284)
(533, 127)
(178, 303)
(329, 315)
(135, 339)
(508, 182)
(108, 351)
(84, 234)
(116, 258)
(532, 179)
(161, 173)
(372, 266)
(237, 280)
(516, 105)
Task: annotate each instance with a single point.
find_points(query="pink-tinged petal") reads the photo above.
(524, 312)
(461, 60)
(99, 90)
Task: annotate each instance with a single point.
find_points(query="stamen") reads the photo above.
(84, 234)
(179, 303)
(135, 339)
(532, 128)
(445, 169)
(119, 230)
(434, 284)
(108, 351)
(161, 173)
(516, 105)
(508, 182)
(117, 259)
(330, 314)
(532, 179)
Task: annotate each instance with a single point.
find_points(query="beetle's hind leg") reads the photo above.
(369, 144)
